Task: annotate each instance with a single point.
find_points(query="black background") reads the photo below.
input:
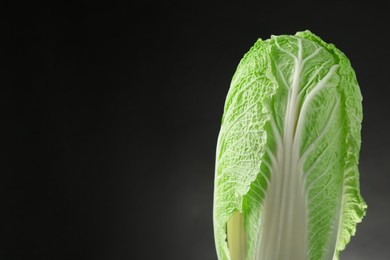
(109, 120)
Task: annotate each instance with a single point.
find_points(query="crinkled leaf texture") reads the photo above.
(287, 180)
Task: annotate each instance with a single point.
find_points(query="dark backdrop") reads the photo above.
(109, 120)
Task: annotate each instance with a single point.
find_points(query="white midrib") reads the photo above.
(340, 221)
(284, 221)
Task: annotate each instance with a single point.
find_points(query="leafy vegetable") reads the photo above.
(287, 180)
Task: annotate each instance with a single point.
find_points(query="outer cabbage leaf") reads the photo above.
(286, 183)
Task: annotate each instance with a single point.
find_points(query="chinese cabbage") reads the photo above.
(287, 180)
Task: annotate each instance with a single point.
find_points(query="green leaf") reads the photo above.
(287, 181)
